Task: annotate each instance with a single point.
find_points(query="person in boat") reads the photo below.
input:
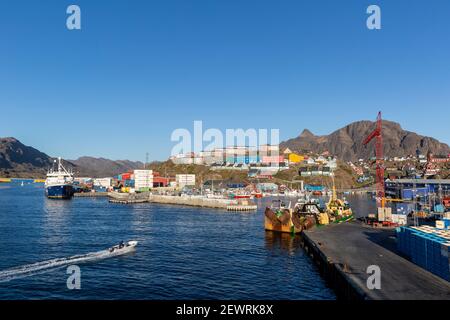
(121, 245)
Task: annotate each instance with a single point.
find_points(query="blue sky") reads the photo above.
(140, 69)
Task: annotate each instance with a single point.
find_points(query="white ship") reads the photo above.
(59, 182)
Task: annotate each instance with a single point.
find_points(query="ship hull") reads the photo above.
(273, 224)
(59, 191)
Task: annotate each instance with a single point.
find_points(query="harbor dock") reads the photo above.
(195, 201)
(343, 252)
(90, 194)
(129, 201)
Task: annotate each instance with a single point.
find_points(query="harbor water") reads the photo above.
(183, 252)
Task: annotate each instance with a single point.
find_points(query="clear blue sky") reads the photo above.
(140, 69)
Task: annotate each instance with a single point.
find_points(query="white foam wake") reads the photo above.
(43, 266)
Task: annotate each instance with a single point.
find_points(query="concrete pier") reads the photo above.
(131, 201)
(343, 252)
(90, 194)
(195, 201)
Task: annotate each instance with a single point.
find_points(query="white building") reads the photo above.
(332, 163)
(185, 180)
(183, 159)
(143, 179)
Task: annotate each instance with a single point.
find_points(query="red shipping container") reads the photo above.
(126, 176)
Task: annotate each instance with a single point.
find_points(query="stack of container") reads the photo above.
(128, 183)
(185, 180)
(427, 247)
(385, 214)
(124, 176)
(143, 180)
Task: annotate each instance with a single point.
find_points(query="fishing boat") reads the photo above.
(305, 214)
(308, 214)
(59, 182)
(240, 195)
(278, 217)
(338, 209)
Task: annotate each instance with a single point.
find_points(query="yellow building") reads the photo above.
(295, 158)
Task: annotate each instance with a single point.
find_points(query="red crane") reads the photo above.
(377, 134)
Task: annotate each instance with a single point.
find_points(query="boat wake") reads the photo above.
(49, 265)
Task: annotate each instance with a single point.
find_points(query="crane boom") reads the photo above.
(378, 135)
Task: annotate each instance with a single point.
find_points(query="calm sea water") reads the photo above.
(183, 252)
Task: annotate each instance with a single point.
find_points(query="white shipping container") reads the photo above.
(384, 214)
(142, 173)
(103, 182)
(143, 184)
(140, 179)
(185, 180)
(143, 179)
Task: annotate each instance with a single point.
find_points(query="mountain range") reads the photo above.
(19, 160)
(347, 142)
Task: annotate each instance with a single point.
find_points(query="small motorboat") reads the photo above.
(123, 247)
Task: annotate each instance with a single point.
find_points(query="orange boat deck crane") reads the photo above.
(378, 135)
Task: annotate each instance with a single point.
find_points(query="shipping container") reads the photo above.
(185, 180)
(427, 247)
(126, 176)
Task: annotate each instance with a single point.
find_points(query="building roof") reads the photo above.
(421, 181)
